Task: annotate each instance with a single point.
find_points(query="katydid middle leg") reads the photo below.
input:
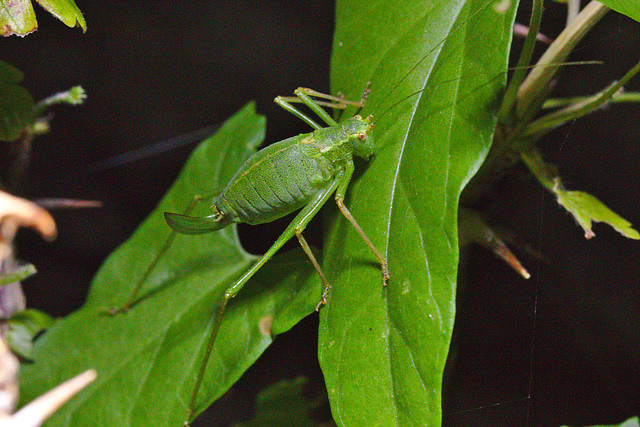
(296, 227)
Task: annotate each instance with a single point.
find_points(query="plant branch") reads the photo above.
(539, 78)
(544, 124)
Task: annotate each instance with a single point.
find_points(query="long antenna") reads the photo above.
(431, 51)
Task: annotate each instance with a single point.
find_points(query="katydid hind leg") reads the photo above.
(132, 300)
(294, 228)
(211, 338)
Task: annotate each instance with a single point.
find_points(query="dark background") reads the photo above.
(559, 348)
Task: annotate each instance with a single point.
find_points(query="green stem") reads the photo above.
(509, 139)
(211, 339)
(544, 124)
(506, 110)
(544, 173)
(538, 79)
(617, 98)
(74, 96)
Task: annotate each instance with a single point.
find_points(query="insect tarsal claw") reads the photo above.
(385, 277)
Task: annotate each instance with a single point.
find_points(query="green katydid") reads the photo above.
(298, 173)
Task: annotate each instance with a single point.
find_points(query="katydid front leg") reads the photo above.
(340, 192)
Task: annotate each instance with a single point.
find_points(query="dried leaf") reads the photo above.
(585, 208)
(16, 212)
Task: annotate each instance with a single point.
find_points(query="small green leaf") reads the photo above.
(631, 422)
(9, 73)
(283, 404)
(147, 359)
(16, 104)
(18, 274)
(17, 17)
(585, 208)
(74, 96)
(24, 326)
(66, 11)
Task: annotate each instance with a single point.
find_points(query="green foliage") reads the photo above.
(16, 103)
(18, 17)
(435, 97)
(147, 359)
(18, 113)
(24, 326)
(585, 208)
(283, 404)
(392, 340)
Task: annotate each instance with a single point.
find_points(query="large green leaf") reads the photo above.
(383, 350)
(631, 8)
(147, 358)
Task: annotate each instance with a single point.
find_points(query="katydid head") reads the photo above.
(359, 131)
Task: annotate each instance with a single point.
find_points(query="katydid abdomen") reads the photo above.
(282, 178)
(278, 180)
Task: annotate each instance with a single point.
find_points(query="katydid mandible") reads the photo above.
(298, 173)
